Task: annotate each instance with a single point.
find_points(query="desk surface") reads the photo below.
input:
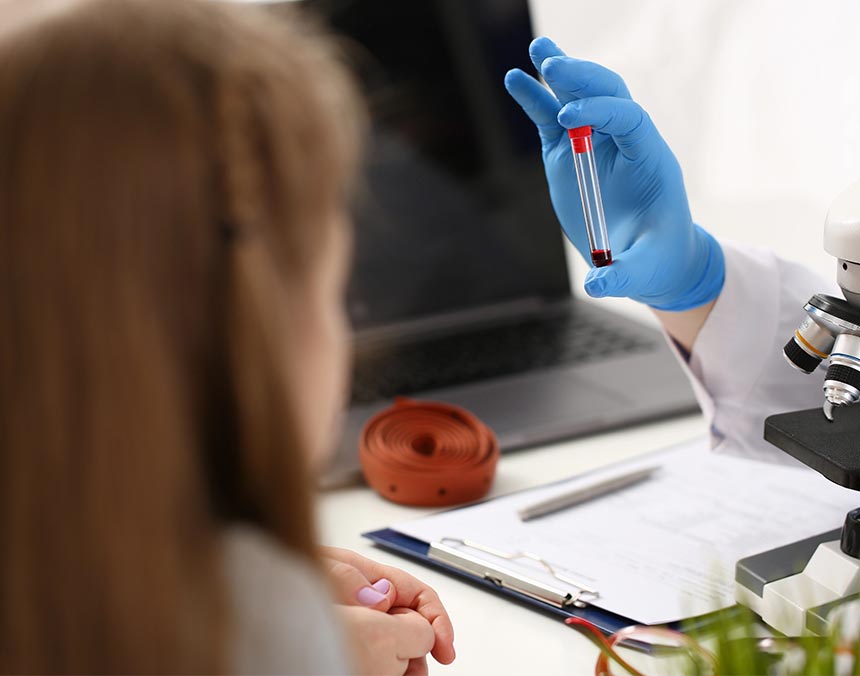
(495, 636)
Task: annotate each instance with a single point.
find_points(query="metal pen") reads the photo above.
(584, 493)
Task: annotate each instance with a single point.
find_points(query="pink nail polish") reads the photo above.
(382, 585)
(368, 596)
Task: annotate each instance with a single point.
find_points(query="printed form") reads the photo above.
(663, 549)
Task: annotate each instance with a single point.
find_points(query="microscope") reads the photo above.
(802, 588)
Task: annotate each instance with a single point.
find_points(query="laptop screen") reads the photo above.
(453, 212)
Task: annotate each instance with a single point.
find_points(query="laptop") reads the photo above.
(460, 290)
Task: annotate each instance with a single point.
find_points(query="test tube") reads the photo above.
(589, 192)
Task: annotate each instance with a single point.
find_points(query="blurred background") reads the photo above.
(760, 101)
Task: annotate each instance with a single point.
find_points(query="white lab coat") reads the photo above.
(736, 366)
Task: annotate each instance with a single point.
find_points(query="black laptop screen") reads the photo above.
(453, 212)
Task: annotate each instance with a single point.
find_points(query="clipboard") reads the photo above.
(518, 591)
(691, 477)
(509, 586)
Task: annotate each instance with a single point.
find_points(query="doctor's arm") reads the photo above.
(661, 258)
(684, 326)
(731, 308)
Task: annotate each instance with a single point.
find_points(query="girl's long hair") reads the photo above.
(168, 169)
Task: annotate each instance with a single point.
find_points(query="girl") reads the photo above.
(173, 351)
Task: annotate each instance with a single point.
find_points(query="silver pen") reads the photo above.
(584, 493)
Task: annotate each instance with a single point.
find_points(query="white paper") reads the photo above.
(663, 549)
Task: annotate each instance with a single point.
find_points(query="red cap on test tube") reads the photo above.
(580, 139)
(589, 193)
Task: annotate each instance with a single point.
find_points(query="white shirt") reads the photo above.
(737, 367)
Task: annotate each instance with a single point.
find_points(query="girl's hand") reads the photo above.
(388, 644)
(361, 581)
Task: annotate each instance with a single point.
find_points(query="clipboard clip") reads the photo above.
(451, 551)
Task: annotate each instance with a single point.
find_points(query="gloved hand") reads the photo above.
(660, 257)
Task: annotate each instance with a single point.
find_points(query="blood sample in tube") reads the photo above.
(589, 193)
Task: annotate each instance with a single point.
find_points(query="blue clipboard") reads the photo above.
(608, 622)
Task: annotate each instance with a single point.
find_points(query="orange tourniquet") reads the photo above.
(428, 454)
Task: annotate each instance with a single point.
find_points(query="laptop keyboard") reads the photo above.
(488, 353)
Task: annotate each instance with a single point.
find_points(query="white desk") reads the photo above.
(493, 635)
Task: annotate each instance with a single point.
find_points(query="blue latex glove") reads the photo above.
(660, 257)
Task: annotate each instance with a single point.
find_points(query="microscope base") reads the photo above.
(795, 588)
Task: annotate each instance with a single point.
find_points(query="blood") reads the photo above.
(601, 257)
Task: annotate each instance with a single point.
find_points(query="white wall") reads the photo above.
(759, 99)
